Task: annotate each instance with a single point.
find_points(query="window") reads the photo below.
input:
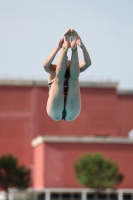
(127, 197)
(65, 196)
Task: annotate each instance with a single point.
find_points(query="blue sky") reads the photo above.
(31, 29)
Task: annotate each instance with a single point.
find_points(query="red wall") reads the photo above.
(23, 117)
(60, 157)
(125, 114)
(39, 166)
(16, 122)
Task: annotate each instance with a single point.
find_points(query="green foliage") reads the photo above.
(13, 175)
(94, 171)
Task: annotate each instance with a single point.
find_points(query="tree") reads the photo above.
(94, 171)
(13, 175)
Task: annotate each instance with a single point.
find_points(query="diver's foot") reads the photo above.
(67, 43)
(74, 37)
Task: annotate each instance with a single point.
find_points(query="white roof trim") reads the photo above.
(125, 92)
(70, 139)
(83, 84)
(97, 84)
(72, 190)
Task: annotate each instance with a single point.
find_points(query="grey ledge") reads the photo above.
(71, 139)
(16, 82)
(83, 84)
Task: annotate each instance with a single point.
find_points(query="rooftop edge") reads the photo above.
(83, 84)
(71, 139)
(11, 82)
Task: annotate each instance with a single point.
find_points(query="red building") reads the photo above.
(103, 125)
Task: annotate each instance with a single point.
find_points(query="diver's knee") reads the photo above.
(71, 117)
(55, 116)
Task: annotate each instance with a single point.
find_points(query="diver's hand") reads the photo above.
(60, 43)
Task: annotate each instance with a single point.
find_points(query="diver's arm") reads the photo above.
(86, 58)
(48, 66)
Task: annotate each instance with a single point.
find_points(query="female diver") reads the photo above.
(64, 102)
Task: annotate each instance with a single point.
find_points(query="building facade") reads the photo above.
(50, 148)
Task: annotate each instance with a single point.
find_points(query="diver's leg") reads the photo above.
(55, 103)
(73, 103)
